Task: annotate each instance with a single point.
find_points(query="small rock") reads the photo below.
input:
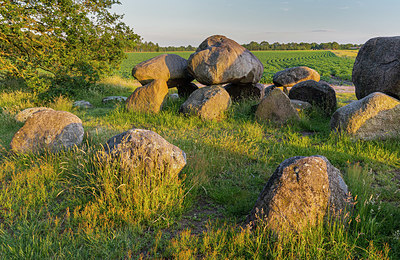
(148, 98)
(376, 116)
(174, 96)
(145, 149)
(114, 99)
(208, 102)
(300, 105)
(291, 76)
(82, 104)
(48, 129)
(26, 113)
(220, 60)
(276, 107)
(319, 94)
(301, 191)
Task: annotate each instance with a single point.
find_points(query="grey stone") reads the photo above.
(220, 60)
(291, 76)
(245, 91)
(300, 192)
(114, 99)
(320, 94)
(377, 67)
(139, 149)
(376, 116)
(208, 102)
(82, 104)
(53, 130)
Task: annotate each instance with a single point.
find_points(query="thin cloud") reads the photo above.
(344, 7)
(322, 31)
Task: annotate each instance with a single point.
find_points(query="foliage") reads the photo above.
(53, 42)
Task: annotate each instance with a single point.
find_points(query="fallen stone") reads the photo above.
(376, 116)
(300, 105)
(26, 113)
(299, 194)
(53, 130)
(82, 104)
(114, 99)
(291, 76)
(139, 149)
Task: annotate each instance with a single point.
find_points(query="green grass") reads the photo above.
(71, 205)
(326, 63)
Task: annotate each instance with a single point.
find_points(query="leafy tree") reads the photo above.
(61, 40)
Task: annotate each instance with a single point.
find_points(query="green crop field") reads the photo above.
(326, 63)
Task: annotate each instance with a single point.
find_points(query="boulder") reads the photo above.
(168, 67)
(139, 149)
(300, 192)
(376, 116)
(320, 94)
(185, 90)
(114, 99)
(377, 67)
(148, 98)
(53, 130)
(173, 96)
(291, 76)
(82, 104)
(26, 113)
(276, 107)
(300, 105)
(208, 102)
(245, 91)
(220, 60)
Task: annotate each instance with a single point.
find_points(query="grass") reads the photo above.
(73, 205)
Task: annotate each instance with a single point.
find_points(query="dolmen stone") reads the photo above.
(377, 67)
(114, 99)
(245, 91)
(376, 116)
(26, 113)
(139, 149)
(291, 76)
(168, 67)
(82, 104)
(276, 107)
(52, 130)
(187, 89)
(299, 194)
(148, 98)
(220, 60)
(320, 94)
(208, 103)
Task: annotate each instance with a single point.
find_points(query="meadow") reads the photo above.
(69, 205)
(332, 68)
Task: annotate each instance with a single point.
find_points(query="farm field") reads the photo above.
(331, 67)
(68, 205)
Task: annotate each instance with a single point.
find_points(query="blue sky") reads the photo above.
(183, 22)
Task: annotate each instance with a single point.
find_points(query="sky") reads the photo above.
(184, 22)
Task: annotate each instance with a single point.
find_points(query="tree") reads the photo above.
(61, 39)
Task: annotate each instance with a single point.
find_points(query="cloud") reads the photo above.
(322, 31)
(285, 9)
(344, 7)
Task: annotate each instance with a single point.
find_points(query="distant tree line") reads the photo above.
(252, 46)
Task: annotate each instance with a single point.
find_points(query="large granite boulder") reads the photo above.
(148, 98)
(208, 102)
(377, 67)
(26, 113)
(53, 130)
(376, 116)
(319, 94)
(139, 149)
(220, 60)
(245, 91)
(300, 192)
(291, 76)
(168, 67)
(276, 107)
